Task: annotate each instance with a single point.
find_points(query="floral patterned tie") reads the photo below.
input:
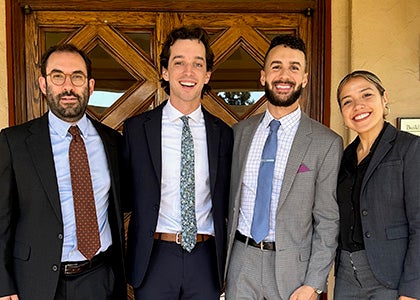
(87, 231)
(187, 187)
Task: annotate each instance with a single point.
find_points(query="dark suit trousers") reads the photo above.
(174, 274)
(98, 283)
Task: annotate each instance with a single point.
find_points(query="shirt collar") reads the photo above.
(62, 127)
(173, 114)
(288, 121)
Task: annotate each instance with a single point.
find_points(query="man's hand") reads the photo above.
(11, 297)
(400, 298)
(305, 292)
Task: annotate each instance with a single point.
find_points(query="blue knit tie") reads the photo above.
(187, 187)
(261, 219)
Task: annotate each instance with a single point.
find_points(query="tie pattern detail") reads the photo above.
(187, 188)
(261, 218)
(84, 202)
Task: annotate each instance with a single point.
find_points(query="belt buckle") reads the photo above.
(262, 245)
(69, 268)
(178, 238)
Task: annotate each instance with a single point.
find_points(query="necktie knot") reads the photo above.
(184, 119)
(274, 126)
(75, 132)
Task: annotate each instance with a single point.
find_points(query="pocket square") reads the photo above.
(303, 168)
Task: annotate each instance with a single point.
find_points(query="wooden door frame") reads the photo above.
(320, 10)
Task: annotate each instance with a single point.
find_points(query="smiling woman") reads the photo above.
(378, 246)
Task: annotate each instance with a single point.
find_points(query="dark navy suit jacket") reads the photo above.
(390, 211)
(143, 156)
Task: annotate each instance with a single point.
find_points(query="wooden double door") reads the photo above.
(124, 40)
(124, 45)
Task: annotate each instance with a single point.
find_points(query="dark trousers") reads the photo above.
(175, 274)
(95, 284)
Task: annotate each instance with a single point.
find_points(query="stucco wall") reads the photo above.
(382, 36)
(4, 119)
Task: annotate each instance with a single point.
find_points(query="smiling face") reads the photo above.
(284, 76)
(362, 106)
(186, 73)
(66, 101)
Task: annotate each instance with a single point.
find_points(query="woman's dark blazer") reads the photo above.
(390, 210)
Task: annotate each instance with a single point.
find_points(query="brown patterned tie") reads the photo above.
(84, 202)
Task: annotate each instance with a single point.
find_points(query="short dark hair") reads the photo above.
(287, 40)
(65, 48)
(186, 33)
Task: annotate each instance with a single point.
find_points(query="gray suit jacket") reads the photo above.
(307, 216)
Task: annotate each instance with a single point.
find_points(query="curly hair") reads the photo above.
(186, 33)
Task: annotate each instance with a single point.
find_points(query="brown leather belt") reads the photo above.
(177, 237)
(79, 267)
(251, 242)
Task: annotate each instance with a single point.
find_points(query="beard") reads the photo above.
(68, 113)
(277, 100)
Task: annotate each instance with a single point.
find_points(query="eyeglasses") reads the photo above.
(59, 78)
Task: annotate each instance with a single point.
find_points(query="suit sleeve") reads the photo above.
(410, 280)
(7, 200)
(325, 218)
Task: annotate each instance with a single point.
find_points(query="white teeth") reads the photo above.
(279, 86)
(361, 116)
(187, 83)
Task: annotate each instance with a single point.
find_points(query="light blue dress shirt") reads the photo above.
(101, 182)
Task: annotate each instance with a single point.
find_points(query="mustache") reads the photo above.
(284, 82)
(68, 93)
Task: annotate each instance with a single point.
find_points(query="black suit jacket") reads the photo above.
(31, 227)
(390, 210)
(143, 153)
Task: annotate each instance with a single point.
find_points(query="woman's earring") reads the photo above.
(388, 110)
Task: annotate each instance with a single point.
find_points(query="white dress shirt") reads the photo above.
(169, 220)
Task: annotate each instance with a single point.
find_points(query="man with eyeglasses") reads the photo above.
(61, 224)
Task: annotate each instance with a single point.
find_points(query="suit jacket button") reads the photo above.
(364, 212)
(367, 234)
(55, 268)
(60, 236)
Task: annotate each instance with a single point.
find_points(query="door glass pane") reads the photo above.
(237, 81)
(142, 38)
(111, 80)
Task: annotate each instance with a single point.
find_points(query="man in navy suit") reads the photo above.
(159, 265)
(40, 253)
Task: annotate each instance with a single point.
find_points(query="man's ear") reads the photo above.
(42, 81)
(165, 74)
(262, 77)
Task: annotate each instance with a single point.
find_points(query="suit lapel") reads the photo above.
(153, 132)
(385, 144)
(213, 144)
(243, 141)
(39, 147)
(297, 152)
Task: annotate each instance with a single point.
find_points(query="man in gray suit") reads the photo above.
(283, 221)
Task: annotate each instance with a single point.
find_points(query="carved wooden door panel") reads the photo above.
(125, 47)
